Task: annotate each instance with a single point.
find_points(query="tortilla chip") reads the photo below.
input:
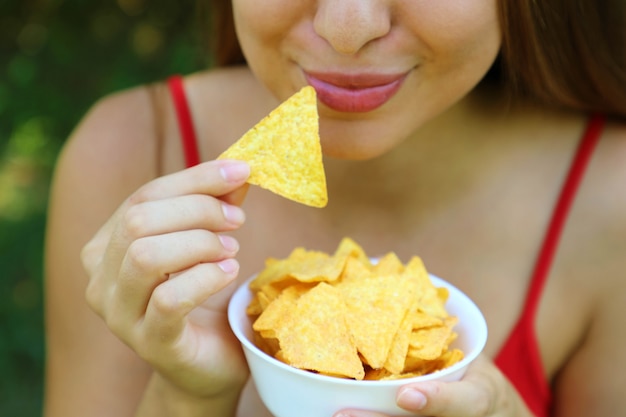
(341, 316)
(284, 151)
(315, 335)
(377, 306)
(400, 346)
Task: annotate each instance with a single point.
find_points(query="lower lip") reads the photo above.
(357, 100)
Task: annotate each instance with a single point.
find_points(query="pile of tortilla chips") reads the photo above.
(284, 151)
(343, 316)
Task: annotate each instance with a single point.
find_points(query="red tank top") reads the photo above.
(519, 358)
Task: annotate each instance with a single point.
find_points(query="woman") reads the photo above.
(450, 130)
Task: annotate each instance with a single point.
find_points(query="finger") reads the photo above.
(452, 399)
(166, 216)
(194, 211)
(93, 252)
(238, 196)
(214, 178)
(150, 261)
(475, 395)
(174, 299)
(101, 274)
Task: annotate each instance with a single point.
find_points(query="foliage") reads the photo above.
(56, 58)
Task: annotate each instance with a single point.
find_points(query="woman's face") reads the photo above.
(381, 68)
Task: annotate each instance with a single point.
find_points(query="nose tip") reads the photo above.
(349, 25)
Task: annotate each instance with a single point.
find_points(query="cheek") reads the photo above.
(260, 22)
(265, 29)
(457, 32)
(461, 40)
(251, 21)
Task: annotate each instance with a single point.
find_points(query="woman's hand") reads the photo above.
(483, 392)
(160, 270)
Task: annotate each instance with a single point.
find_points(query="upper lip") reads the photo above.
(356, 81)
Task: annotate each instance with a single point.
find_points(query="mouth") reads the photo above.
(355, 93)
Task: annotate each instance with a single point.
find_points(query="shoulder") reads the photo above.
(126, 136)
(225, 86)
(108, 155)
(594, 241)
(602, 203)
(225, 103)
(611, 151)
(110, 152)
(118, 127)
(595, 246)
(599, 211)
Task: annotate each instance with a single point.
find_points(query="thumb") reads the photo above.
(237, 196)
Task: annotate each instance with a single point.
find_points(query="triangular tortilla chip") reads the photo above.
(284, 151)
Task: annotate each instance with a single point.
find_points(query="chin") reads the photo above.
(358, 140)
(355, 150)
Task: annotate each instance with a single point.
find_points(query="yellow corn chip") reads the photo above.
(354, 270)
(376, 374)
(299, 263)
(255, 307)
(431, 302)
(423, 320)
(341, 316)
(417, 366)
(429, 343)
(315, 335)
(270, 317)
(377, 306)
(400, 346)
(451, 357)
(284, 151)
(348, 248)
(266, 343)
(389, 264)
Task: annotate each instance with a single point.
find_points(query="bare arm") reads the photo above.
(89, 371)
(170, 246)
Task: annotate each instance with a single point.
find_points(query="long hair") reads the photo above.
(218, 33)
(568, 53)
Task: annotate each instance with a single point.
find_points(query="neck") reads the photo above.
(441, 163)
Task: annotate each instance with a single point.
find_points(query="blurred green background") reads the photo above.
(56, 58)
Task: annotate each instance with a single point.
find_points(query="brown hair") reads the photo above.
(558, 52)
(218, 32)
(565, 52)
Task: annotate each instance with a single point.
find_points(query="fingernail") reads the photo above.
(411, 399)
(229, 266)
(229, 243)
(234, 171)
(233, 214)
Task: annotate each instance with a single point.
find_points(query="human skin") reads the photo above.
(442, 169)
(444, 48)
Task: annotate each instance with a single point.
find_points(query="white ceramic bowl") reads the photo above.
(289, 392)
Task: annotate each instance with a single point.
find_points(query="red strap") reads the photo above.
(519, 358)
(551, 240)
(185, 121)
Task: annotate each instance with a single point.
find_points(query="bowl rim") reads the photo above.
(244, 290)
